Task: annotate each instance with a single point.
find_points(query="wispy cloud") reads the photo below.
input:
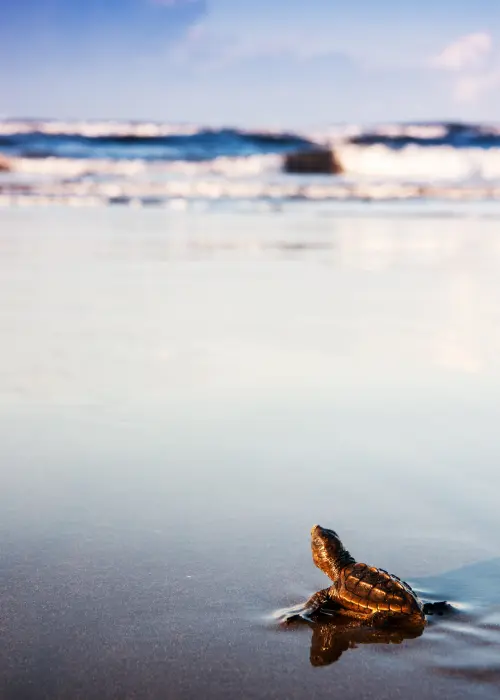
(212, 49)
(474, 64)
(470, 51)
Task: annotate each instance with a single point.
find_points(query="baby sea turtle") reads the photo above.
(359, 590)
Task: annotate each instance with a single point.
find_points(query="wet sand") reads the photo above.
(184, 394)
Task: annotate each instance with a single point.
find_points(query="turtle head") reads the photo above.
(329, 554)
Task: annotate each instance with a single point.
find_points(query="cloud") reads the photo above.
(470, 51)
(215, 50)
(474, 64)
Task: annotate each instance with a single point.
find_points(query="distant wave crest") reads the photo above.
(115, 140)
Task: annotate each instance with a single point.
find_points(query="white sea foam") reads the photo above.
(132, 190)
(337, 134)
(75, 167)
(103, 128)
(418, 163)
(96, 128)
(409, 164)
(343, 133)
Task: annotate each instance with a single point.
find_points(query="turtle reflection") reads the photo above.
(330, 638)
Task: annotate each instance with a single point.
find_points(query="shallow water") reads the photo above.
(182, 395)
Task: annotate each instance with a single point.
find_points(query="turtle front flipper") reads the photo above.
(309, 608)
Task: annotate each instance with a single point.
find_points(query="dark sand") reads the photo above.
(183, 395)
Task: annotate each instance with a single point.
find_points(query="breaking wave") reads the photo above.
(103, 161)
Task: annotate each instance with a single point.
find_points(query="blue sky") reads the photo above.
(251, 62)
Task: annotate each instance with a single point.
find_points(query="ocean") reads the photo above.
(149, 163)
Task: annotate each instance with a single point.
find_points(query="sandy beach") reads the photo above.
(183, 394)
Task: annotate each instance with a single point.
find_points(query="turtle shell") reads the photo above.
(365, 589)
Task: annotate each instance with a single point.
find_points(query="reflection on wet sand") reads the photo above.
(331, 637)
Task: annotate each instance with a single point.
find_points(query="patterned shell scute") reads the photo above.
(366, 589)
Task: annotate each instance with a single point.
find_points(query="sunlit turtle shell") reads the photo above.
(365, 589)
